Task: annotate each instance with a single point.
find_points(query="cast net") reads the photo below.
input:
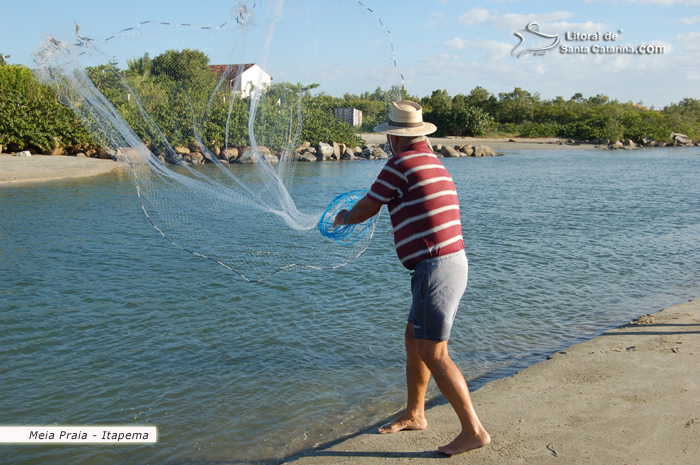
(210, 117)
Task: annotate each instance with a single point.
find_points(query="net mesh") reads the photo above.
(208, 118)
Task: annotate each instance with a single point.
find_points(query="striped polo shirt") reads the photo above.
(423, 205)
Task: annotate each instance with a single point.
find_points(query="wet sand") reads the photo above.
(629, 396)
(40, 168)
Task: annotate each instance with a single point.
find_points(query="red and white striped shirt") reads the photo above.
(423, 205)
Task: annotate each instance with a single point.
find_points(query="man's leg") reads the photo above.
(417, 377)
(453, 386)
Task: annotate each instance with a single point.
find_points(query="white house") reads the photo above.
(242, 78)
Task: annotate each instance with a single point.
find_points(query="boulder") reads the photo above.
(617, 145)
(348, 155)
(58, 150)
(324, 151)
(449, 152)
(338, 151)
(651, 143)
(629, 143)
(80, 155)
(467, 150)
(372, 152)
(302, 147)
(181, 150)
(105, 154)
(483, 151)
(306, 156)
(437, 148)
(356, 150)
(681, 139)
(23, 153)
(229, 154)
(197, 158)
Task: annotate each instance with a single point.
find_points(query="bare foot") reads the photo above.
(464, 442)
(405, 422)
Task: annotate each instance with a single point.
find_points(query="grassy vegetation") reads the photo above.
(174, 89)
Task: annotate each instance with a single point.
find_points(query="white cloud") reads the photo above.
(691, 20)
(494, 48)
(434, 18)
(456, 43)
(516, 21)
(475, 15)
(691, 41)
(661, 2)
(586, 28)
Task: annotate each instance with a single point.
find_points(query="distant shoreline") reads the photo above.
(512, 143)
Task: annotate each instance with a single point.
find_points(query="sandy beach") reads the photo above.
(515, 143)
(40, 168)
(629, 396)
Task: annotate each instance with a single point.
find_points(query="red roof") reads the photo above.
(232, 71)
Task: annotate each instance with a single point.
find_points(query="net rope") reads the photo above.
(175, 119)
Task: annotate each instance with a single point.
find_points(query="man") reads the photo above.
(424, 210)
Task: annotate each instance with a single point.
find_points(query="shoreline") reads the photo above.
(626, 396)
(44, 168)
(511, 143)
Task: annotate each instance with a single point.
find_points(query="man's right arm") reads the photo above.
(363, 210)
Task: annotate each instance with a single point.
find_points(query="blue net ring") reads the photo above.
(346, 234)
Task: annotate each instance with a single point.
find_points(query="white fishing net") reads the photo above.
(208, 117)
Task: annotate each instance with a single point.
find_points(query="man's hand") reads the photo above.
(339, 218)
(363, 210)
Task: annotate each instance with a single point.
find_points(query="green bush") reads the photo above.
(31, 118)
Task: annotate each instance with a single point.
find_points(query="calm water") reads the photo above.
(103, 322)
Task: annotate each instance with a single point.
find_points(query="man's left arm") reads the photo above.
(363, 210)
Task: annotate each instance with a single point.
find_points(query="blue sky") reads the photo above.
(439, 44)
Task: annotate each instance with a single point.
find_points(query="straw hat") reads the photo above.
(406, 119)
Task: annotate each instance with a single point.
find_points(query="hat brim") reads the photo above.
(422, 130)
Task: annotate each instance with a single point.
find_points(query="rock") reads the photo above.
(248, 157)
(449, 152)
(651, 143)
(105, 154)
(230, 154)
(307, 156)
(483, 151)
(57, 151)
(357, 150)
(681, 139)
(181, 150)
(374, 153)
(161, 158)
(80, 155)
(24, 153)
(617, 145)
(197, 158)
(629, 143)
(325, 151)
(338, 151)
(467, 150)
(302, 147)
(349, 154)
(437, 148)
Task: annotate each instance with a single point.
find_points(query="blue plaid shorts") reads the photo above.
(437, 285)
